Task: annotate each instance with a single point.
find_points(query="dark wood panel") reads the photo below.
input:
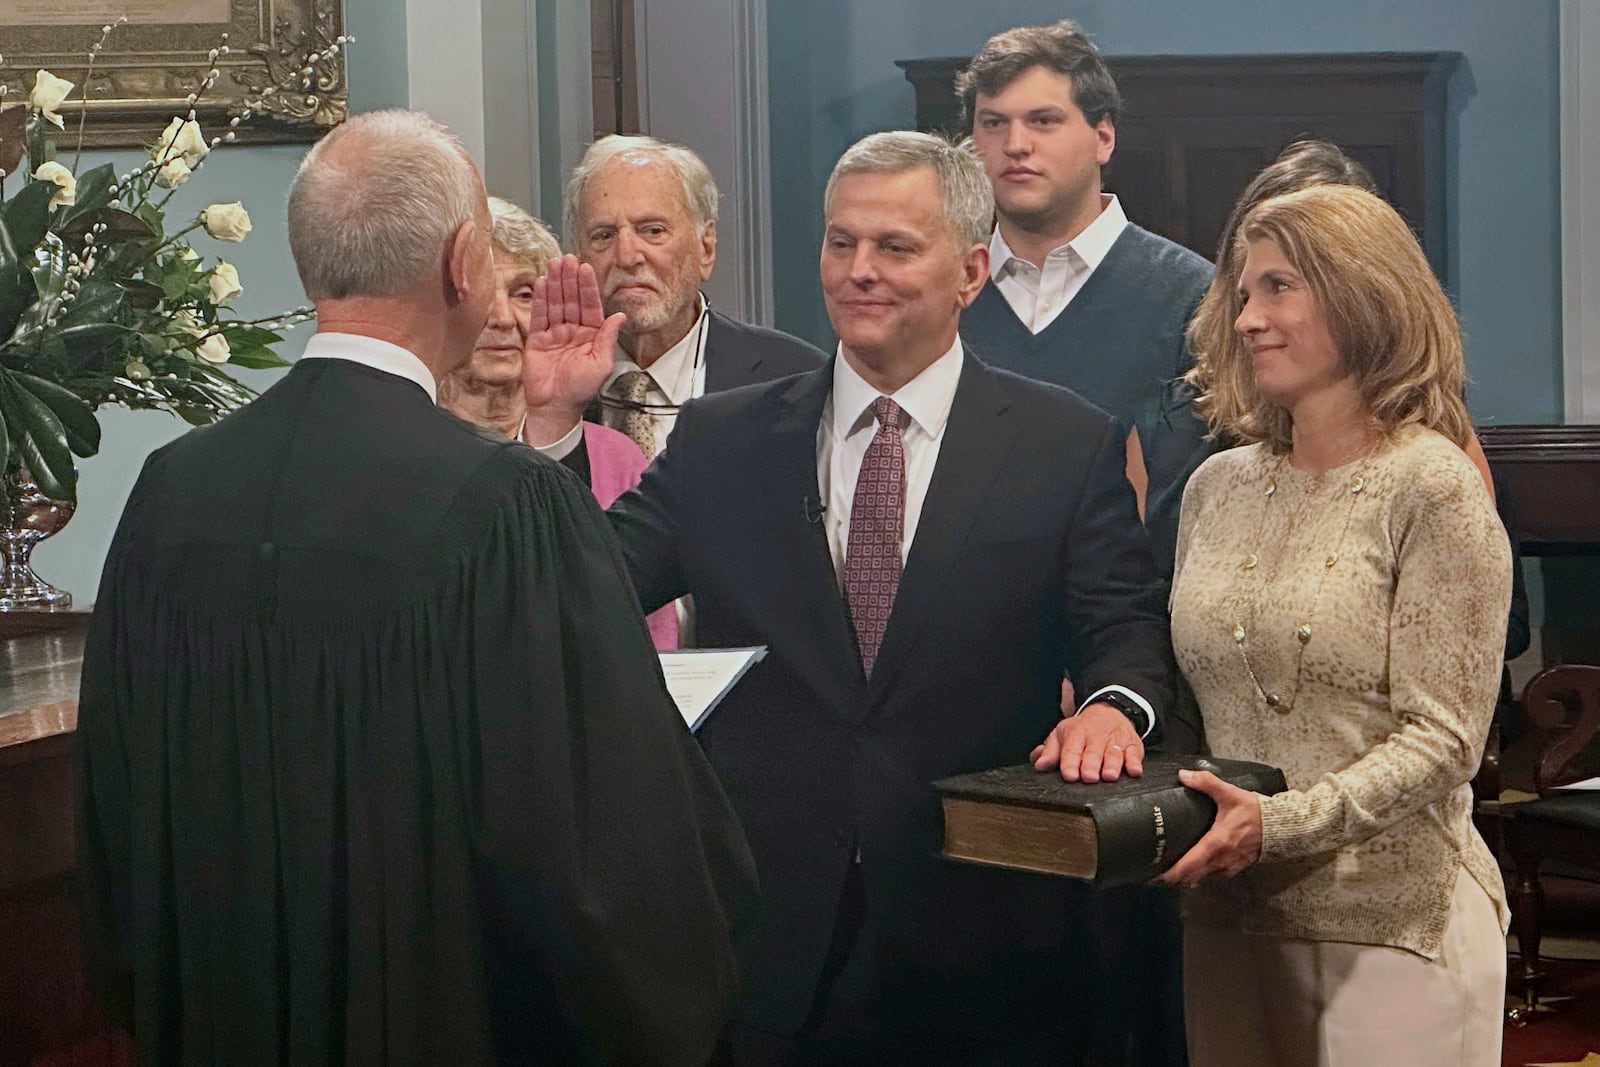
(1553, 473)
(47, 1016)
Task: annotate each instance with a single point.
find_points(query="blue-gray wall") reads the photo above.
(258, 176)
(834, 80)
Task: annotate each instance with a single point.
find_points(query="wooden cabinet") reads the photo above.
(1195, 129)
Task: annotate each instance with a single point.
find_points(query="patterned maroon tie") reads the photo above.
(877, 518)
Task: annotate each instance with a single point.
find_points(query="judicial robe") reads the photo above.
(378, 764)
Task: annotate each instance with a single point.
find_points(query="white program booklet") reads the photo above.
(698, 678)
(1588, 785)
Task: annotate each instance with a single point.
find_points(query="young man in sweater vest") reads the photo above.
(1077, 295)
(1081, 297)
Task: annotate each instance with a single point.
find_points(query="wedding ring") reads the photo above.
(1117, 747)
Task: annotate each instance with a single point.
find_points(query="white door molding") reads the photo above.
(703, 83)
(1580, 209)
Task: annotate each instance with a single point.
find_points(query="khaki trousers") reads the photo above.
(1281, 1002)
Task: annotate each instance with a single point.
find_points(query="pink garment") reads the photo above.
(615, 464)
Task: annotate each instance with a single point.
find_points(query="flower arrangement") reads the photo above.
(103, 300)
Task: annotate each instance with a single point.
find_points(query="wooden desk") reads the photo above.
(47, 1016)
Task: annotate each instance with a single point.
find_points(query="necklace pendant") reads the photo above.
(1272, 487)
(1332, 559)
(1238, 633)
(1273, 700)
(1358, 483)
(1250, 562)
(1303, 632)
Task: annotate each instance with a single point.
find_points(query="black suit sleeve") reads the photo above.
(1118, 633)
(645, 519)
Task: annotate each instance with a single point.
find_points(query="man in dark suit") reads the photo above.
(921, 542)
(643, 213)
(377, 763)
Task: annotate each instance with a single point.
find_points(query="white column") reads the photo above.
(703, 83)
(1580, 208)
(444, 54)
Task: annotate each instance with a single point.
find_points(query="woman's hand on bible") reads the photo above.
(1234, 840)
(567, 354)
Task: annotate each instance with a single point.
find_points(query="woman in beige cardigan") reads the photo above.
(1339, 607)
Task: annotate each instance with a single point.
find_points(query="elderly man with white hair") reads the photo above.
(643, 214)
(377, 763)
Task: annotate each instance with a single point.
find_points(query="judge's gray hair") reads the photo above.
(968, 198)
(699, 187)
(376, 202)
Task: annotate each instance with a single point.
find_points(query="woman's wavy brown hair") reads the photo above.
(1394, 328)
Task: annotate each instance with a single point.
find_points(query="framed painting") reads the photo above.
(149, 65)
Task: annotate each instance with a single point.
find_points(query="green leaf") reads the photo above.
(242, 335)
(17, 293)
(5, 444)
(8, 251)
(97, 302)
(91, 335)
(82, 428)
(141, 295)
(48, 277)
(28, 216)
(150, 215)
(94, 193)
(120, 226)
(254, 358)
(40, 440)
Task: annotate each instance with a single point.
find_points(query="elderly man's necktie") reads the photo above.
(635, 424)
(877, 519)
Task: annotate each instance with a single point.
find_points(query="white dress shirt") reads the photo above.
(847, 428)
(1038, 296)
(371, 352)
(676, 378)
(560, 448)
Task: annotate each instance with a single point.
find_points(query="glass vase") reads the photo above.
(27, 517)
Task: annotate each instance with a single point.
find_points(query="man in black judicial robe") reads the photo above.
(378, 766)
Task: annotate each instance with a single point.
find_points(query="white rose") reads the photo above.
(226, 222)
(224, 283)
(214, 349)
(188, 254)
(66, 183)
(48, 92)
(186, 320)
(173, 173)
(181, 139)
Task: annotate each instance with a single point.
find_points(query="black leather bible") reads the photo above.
(1107, 833)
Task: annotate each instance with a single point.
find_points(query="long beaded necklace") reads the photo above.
(1303, 631)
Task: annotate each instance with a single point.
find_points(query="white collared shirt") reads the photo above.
(560, 448)
(1038, 296)
(676, 378)
(847, 428)
(371, 352)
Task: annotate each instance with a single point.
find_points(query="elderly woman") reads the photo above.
(1339, 608)
(491, 390)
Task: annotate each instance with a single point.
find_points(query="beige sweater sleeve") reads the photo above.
(1446, 639)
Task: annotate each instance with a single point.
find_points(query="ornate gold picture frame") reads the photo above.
(149, 66)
